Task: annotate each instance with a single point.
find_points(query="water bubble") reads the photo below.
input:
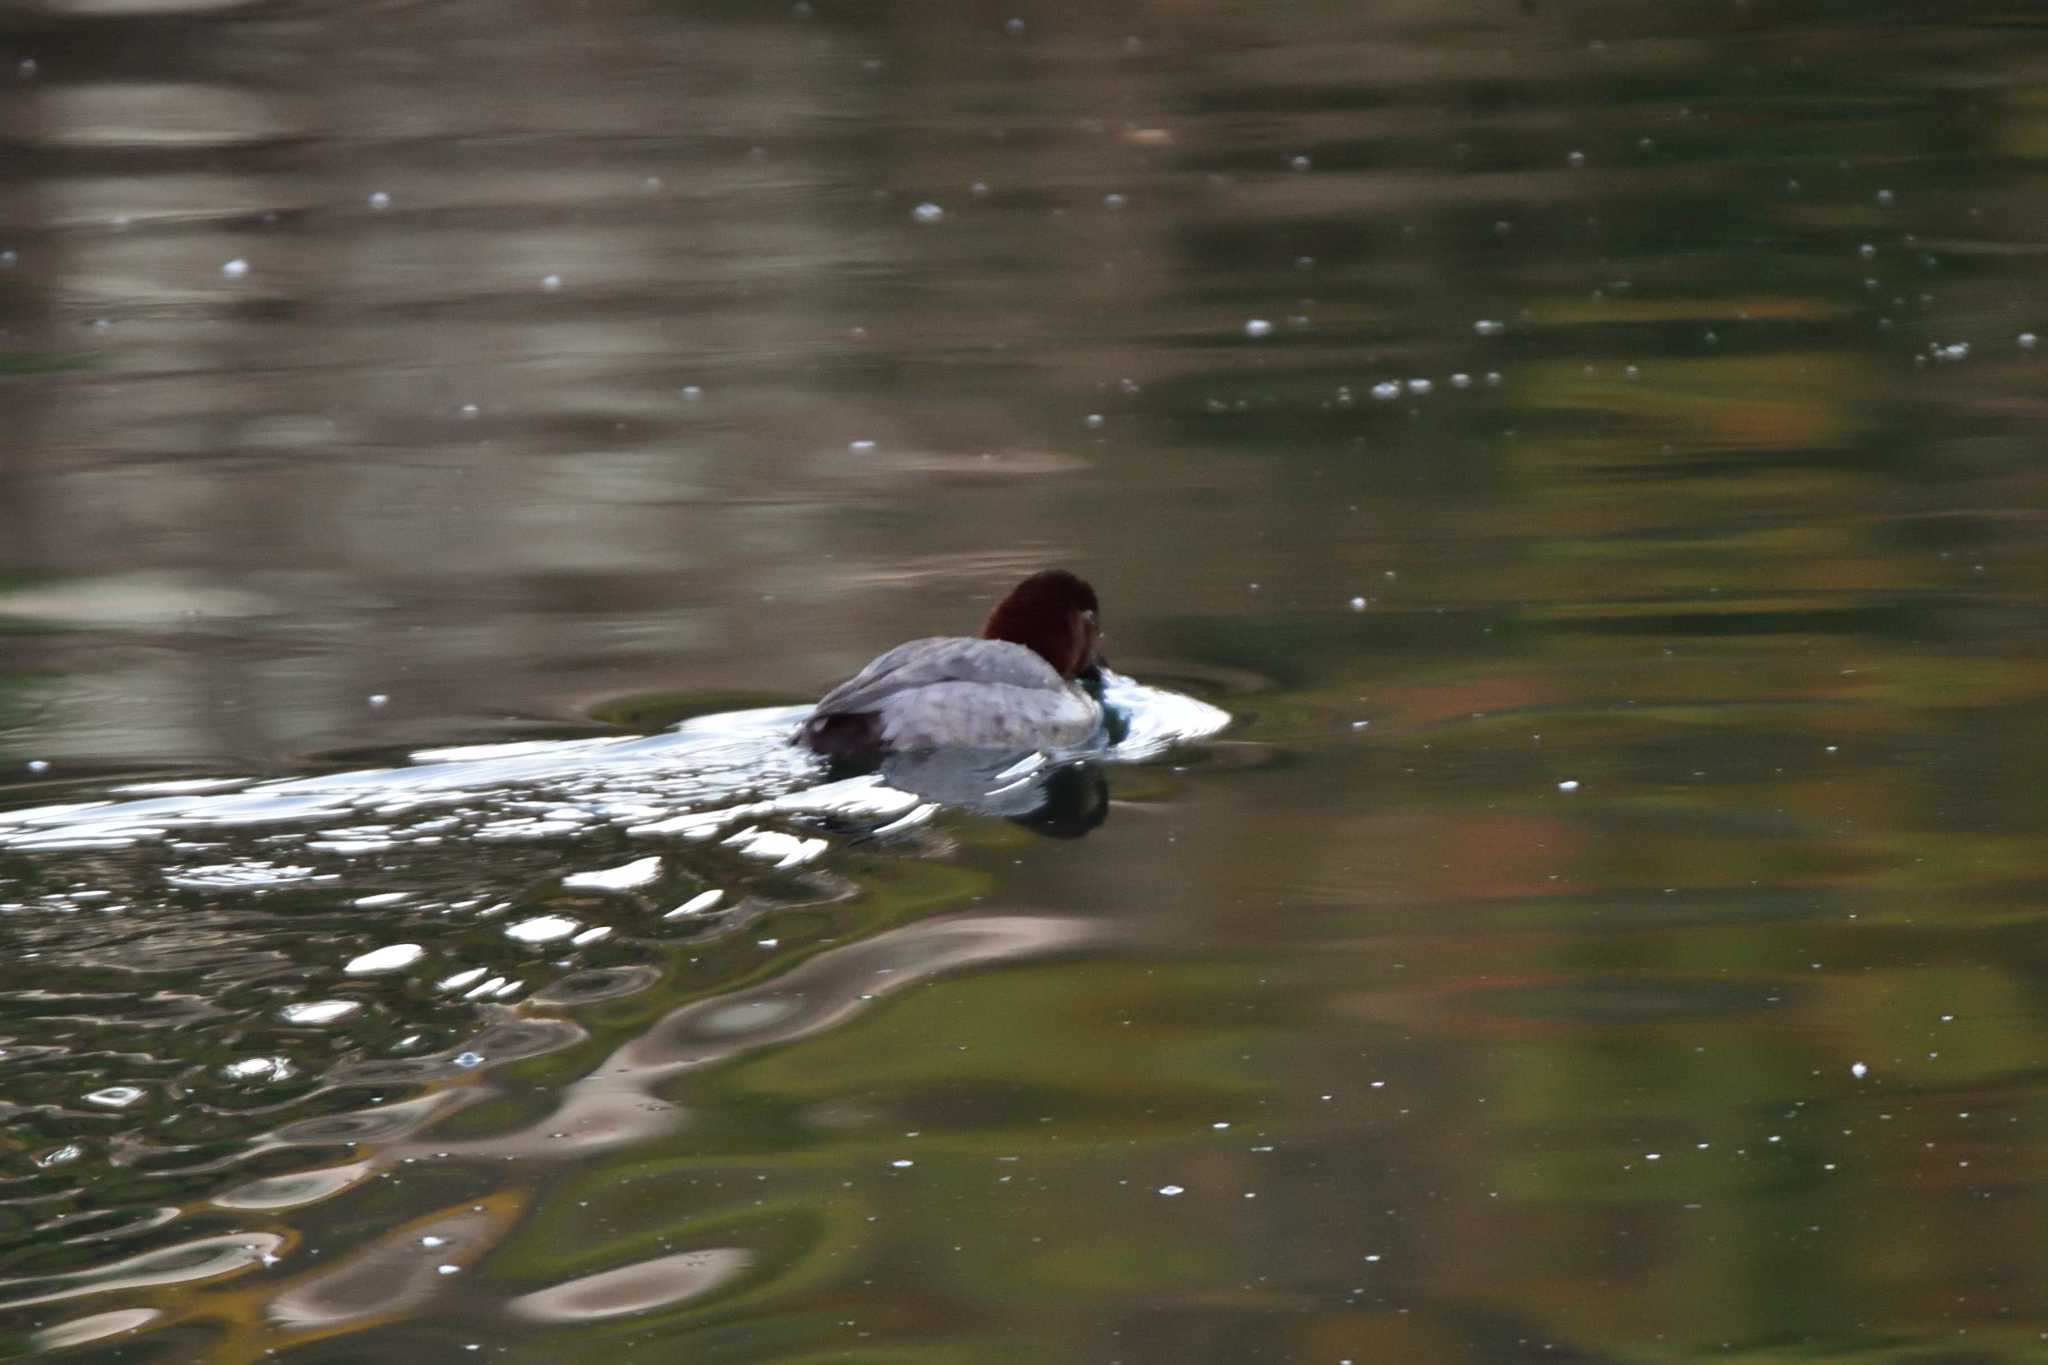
(1172, 1191)
(1299, 163)
(691, 393)
(1461, 380)
(862, 447)
(1867, 251)
(1014, 27)
(39, 765)
(1093, 421)
(9, 259)
(2028, 341)
(1887, 198)
(469, 1060)
(391, 958)
(1421, 388)
(114, 1097)
(469, 411)
(317, 1012)
(26, 68)
(697, 904)
(542, 928)
(1258, 327)
(257, 1069)
(235, 269)
(1113, 201)
(1493, 379)
(551, 282)
(1503, 228)
(625, 877)
(378, 700)
(1489, 327)
(379, 201)
(1358, 604)
(1858, 1070)
(448, 1269)
(1631, 373)
(1575, 160)
(1568, 786)
(927, 213)
(903, 1163)
(430, 1241)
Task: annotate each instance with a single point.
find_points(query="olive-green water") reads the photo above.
(1592, 451)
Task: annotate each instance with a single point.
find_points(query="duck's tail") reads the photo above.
(842, 735)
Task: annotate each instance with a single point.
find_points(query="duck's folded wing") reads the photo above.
(920, 663)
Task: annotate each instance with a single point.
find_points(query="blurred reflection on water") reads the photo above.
(1594, 450)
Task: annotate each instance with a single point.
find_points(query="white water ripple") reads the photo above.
(734, 777)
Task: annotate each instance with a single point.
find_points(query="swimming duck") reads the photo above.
(1019, 685)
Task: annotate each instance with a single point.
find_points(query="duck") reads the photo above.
(1031, 680)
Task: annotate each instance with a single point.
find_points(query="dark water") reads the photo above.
(1593, 453)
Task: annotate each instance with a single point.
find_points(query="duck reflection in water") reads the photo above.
(1060, 798)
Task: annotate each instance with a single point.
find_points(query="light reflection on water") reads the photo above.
(1591, 450)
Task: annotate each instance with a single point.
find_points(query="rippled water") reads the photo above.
(1565, 484)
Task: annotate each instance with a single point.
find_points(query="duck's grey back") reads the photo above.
(940, 659)
(944, 691)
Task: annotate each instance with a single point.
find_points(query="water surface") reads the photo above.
(1590, 452)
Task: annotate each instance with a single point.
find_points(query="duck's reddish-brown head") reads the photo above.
(1054, 613)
